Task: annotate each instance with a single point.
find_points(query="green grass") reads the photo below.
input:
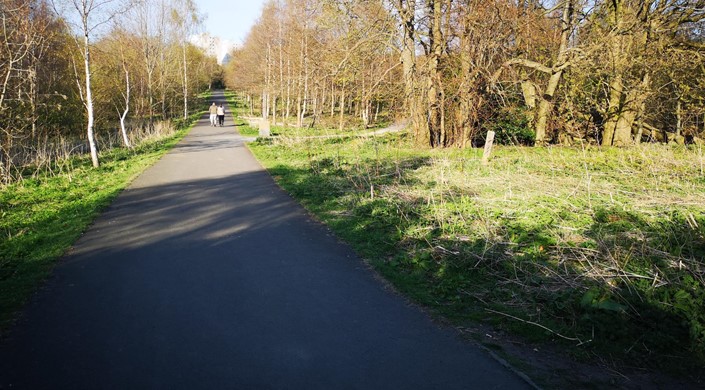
(245, 129)
(602, 246)
(238, 108)
(43, 215)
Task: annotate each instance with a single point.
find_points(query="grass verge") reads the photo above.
(43, 215)
(598, 250)
(238, 108)
(323, 127)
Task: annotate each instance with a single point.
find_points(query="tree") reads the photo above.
(406, 10)
(32, 91)
(637, 33)
(89, 16)
(555, 70)
(185, 17)
(113, 73)
(19, 37)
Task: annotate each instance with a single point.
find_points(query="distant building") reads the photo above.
(214, 47)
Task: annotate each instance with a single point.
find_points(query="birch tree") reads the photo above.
(88, 17)
(185, 17)
(114, 75)
(150, 19)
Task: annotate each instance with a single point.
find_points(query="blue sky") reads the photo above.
(230, 19)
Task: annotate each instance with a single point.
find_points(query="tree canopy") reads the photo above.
(537, 72)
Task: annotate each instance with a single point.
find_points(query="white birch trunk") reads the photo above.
(185, 69)
(89, 101)
(123, 129)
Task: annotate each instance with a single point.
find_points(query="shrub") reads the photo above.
(511, 127)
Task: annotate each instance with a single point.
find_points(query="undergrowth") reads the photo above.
(599, 249)
(324, 126)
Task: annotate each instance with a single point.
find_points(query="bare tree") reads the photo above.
(126, 94)
(18, 40)
(88, 16)
(151, 21)
(637, 32)
(406, 10)
(556, 69)
(26, 40)
(186, 18)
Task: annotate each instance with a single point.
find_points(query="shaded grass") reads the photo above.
(604, 247)
(43, 215)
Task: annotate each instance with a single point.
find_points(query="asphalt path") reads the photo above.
(203, 274)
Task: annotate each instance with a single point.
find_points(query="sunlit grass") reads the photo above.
(603, 246)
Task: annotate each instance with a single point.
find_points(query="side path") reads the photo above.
(205, 275)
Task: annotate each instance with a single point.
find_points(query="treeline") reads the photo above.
(78, 76)
(613, 72)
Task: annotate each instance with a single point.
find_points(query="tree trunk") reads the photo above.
(267, 83)
(89, 102)
(376, 112)
(281, 61)
(288, 89)
(625, 104)
(465, 115)
(546, 108)
(299, 90)
(528, 90)
(123, 129)
(444, 133)
(623, 111)
(613, 108)
(162, 83)
(546, 103)
(679, 116)
(341, 119)
(150, 99)
(185, 68)
(33, 99)
(332, 98)
(274, 110)
(407, 11)
(434, 117)
(304, 107)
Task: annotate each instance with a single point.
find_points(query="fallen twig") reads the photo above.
(580, 342)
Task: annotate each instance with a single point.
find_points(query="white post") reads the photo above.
(488, 147)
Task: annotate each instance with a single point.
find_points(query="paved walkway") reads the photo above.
(205, 275)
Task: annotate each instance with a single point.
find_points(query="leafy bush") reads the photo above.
(511, 127)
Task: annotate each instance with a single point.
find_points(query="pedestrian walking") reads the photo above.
(213, 110)
(221, 115)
